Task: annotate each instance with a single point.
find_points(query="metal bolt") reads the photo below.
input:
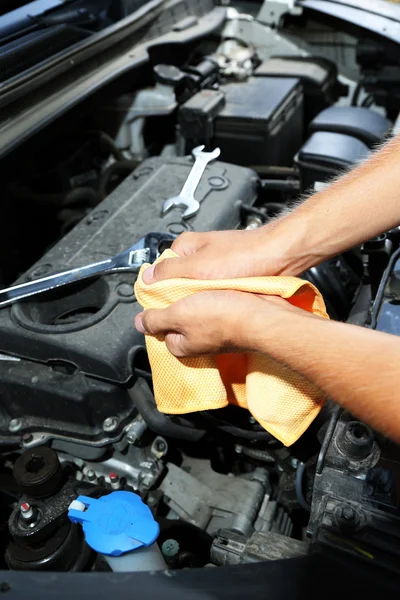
(110, 424)
(348, 513)
(238, 449)
(29, 514)
(91, 476)
(15, 425)
(160, 445)
(26, 510)
(27, 437)
(135, 431)
(252, 421)
(115, 481)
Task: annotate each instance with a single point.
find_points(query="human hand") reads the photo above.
(221, 255)
(216, 322)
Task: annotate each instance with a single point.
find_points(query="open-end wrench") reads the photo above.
(186, 198)
(147, 249)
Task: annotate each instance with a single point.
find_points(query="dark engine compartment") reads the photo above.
(77, 412)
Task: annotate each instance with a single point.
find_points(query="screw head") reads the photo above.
(15, 425)
(347, 517)
(27, 437)
(348, 513)
(110, 424)
(160, 445)
(91, 475)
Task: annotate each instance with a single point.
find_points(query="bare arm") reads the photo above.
(356, 367)
(356, 207)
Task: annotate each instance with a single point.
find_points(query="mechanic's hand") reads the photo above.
(215, 322)
(220, 255)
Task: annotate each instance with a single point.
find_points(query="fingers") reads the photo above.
(153, 321)
(185, 245)
(170, 268)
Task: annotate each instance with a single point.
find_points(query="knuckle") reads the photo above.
(174, 344)
(187, 242)
(161, 269)
(148, 320)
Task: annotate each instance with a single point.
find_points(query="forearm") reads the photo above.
(356, 367)
(356, 207)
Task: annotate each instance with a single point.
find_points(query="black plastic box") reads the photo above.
(326, 155)
(262, 122)
(318, 76)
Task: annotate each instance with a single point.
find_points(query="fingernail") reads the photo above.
(148, 275)
(139, 324)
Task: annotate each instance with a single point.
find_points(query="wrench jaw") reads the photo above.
(209, 156)
(191, 210)
(191, 206)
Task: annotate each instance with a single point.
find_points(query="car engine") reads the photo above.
(77, 410)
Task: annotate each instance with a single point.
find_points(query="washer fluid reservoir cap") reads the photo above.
(115, 524)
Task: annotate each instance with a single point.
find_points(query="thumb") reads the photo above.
(158, 322)
(153, 321)
(171, 268)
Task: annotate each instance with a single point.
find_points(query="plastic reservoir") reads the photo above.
(122, 528)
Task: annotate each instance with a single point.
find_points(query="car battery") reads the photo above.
(262, 121)
(319, 77)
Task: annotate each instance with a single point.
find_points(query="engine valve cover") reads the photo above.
(68, 352)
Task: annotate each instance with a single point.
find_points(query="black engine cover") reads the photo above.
(82, 337)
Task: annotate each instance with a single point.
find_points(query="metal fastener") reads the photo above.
(26, 510)
(159, 447)
(29, 514)
(110, 424)
(15, 425)
(135, 431)
(115, 481)
(91, 476)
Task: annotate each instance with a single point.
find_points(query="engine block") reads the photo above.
(69, 355)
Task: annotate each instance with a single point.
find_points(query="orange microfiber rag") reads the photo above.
(281, 400)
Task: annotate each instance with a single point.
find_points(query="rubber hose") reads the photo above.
(299, 487)
(120, 166)
(260, 455)
(81, 195)
(158, 422)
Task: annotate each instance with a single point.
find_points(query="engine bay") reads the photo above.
(77, 410)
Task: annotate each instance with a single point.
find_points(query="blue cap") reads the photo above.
(115, 524)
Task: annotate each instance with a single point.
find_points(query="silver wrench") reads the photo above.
(145, 250)
(186, 198)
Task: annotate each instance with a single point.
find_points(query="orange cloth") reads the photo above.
(280, 399)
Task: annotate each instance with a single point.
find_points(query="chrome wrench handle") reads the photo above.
(145, 250)
(44, 284)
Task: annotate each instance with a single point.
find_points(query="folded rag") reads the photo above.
(280, 399)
